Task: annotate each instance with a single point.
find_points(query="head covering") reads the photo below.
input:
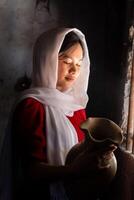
(45, 62)
(61, 135)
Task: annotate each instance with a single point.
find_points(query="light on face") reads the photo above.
(69, 66)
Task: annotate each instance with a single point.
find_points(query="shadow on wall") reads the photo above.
(20, 24)
(22, 83)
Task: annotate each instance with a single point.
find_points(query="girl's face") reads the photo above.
(69, 64)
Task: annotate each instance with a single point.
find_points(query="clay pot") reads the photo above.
(100, 134)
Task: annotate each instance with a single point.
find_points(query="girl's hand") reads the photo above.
(89, 162)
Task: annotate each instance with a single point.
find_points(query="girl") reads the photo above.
(47, 117)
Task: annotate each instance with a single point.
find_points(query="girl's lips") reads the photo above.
(70, 78)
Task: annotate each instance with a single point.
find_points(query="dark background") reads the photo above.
(105, 25)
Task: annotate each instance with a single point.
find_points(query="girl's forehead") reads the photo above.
(74, 51)
(65, 56)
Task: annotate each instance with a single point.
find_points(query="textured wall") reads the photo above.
(20, 23)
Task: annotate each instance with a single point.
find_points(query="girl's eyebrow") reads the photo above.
(64, 55)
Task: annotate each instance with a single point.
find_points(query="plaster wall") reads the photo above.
(20, 23)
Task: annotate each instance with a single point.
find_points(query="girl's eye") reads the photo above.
(78, 65)
(67, 61)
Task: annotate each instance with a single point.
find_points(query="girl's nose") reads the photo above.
(73, 68)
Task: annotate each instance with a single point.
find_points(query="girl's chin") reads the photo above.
(64, 88)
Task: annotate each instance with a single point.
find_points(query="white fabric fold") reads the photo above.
(60, 133)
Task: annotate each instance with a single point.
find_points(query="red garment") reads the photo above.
(29, 128)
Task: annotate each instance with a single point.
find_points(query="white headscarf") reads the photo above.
(61, 135)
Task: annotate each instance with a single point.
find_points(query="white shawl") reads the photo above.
(61, 135)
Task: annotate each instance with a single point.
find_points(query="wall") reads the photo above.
(20, 23)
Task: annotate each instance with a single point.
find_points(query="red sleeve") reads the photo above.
(78, 117)
(30, 132)
(29, 129)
